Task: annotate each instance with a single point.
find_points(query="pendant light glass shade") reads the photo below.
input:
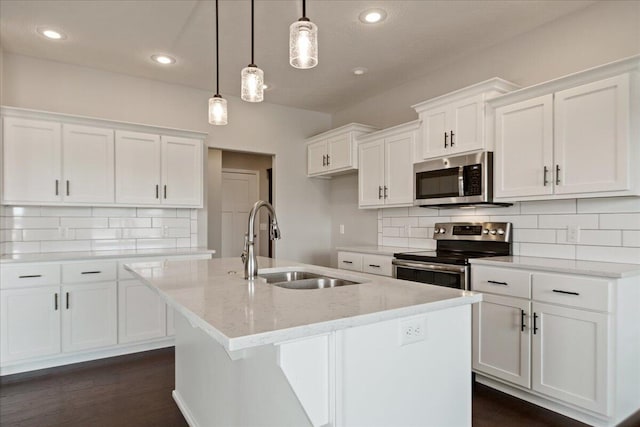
(303, 44)
(217, 110)
(252, 84)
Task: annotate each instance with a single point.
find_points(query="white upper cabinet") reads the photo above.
(138, 168)
(32, 161)
(335, 151)
(181, 171)
(455, 122)
(571, 137)
(88, 164)
(385, 174)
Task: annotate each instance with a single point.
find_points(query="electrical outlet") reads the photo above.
(412, 330)
(573, 234)
(341, 228)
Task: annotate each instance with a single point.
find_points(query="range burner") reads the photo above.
(456, 243)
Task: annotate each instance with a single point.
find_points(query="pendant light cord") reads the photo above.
(252, 1)
(304, 8)
(217, 55)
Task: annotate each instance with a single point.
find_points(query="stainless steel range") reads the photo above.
(456, 243)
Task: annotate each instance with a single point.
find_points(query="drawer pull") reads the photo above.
(348, 262)
(535, 323)
(55, 301)
(30, 276)
(67, 300)
(558, 291)
(91, 272)
(498, 283)
(522, 316)
(374, 265)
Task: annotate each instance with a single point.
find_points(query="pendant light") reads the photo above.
(252, 76)
(303, 42)
(217, 104)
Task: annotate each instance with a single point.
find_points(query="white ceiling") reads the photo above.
(416, 37)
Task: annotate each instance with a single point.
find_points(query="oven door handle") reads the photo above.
(461, 181)
(429, 266)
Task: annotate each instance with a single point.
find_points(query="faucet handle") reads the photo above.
(245, 250)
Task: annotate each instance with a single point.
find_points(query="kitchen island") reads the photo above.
(378, 353)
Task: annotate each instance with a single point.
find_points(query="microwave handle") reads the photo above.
(461, 181)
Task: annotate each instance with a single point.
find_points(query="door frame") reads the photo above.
(245, 172)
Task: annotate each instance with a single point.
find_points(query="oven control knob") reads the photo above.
(494, 231)
(500, 231)
(442, 231)
(485, 231)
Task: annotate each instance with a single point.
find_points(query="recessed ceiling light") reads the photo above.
(163, 59)
(358, 71)
(51, 34)
(373, 16)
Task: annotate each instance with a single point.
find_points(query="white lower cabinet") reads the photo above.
(569, 341)
(89, 316)
(141, 312)
(29, 323)
(366, 263)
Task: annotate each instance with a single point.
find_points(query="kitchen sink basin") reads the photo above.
(304, 280)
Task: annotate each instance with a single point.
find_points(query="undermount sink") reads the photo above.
(304, 280)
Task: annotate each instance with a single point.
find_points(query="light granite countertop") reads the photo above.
(240, 314)
(89, 255)
(377, 250)
(570, 266)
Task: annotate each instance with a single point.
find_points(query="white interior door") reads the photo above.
(239, 193)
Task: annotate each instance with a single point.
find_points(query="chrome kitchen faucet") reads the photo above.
(248, 254)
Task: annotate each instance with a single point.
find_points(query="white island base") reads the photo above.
(359, 376)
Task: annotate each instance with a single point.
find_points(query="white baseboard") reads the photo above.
(85, 356)
(183, 409)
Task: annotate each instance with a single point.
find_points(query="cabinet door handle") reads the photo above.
(90, 272)
(386, 192)
(328, 160)
(557, 174)
(348, 262)
(535, 323)
(446, 135)
(452, 134)
(497, 283)
(558, 291)
(67, 297)
(165, 191)
(67, 187)
(55, 301)
(29, 276)
(545, 181)
(379, 192)
(522, 316)
(157, 191)
(57, 187)
(374, 265)
(324, 160)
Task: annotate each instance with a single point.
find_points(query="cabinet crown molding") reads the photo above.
(495, 84)
(413, 125)
(64, 118)
(351, 127)
(630, 64)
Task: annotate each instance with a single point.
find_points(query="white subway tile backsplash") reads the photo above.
(475, 218)
(534, 235)
(547, 207)
(10, 235)
(155, 243)
(29, 222)
(130, 222)
(421, 232)
(395, 212)
(547, 250)
(141, 233)
(20, 211)
(183, 243)
(609, 205)
(563, 221)
(411, 221)
(430, 221)
(422, 243)
(65, 211)
(194, 226)
(34, 234)
(631, 238)
(518, 221)
(81, 222)
(22, 247)
(418, 211)
(395, 241)
(114, 212)
(623, 221)
(113, 245)
(194, 214)
(386, 222)
(609, 254)
(194, 240)
(171, 222)
(594, 237)
(183, 213)
(391, 231)
(98, 233)
(157, 213)
(502, 210)
(65, 246)
(177, 232)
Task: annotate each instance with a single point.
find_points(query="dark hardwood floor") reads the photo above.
(135, 390)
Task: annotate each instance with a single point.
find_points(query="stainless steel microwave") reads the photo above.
(455, 181)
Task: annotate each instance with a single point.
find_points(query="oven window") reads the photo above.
(449, 280)
(438, 183)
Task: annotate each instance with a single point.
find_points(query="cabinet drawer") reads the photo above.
(573, 291)
(502, 281)
(29, 275)
(350, 261)
(377, 264)
(89, 272)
